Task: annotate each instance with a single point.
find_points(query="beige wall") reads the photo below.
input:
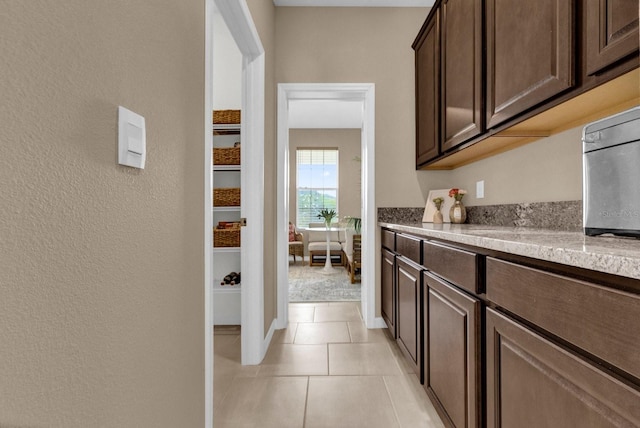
(364, 45)
(347, 141)
(374, 45)
(101, 266)
(263, 14)
(547, 170)
(337, 45)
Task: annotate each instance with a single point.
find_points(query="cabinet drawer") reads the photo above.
(600, 320)
(408, 246)
(456, 266)
(534, 383)
(389, 239)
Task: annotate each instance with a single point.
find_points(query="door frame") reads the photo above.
(365, 93)
(237, 16)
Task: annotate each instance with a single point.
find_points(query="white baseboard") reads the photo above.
(267, 339)
(378, 322)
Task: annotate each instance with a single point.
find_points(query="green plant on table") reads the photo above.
(355, 222)
(328, 216)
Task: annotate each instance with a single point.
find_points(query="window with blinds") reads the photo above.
(317, 183)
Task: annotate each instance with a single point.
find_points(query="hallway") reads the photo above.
(325, 370)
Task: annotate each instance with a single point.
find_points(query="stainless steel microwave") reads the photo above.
(611, 175)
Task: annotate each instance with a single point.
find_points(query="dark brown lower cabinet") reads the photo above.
(452, 351)
(533, 382)
(544, 347)
(388, 291)
(408, 321)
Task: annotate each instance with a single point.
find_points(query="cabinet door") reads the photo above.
(408, 325)
(532, 382)
(427, 91)
(612, 32)
(461, 56)
(388, 291)
(600, 320)
(452, 325)
(530, 54)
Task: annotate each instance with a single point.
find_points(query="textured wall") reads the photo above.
(364, 45)
(374, 45)
(101, 266)
(347, 141)
(547, 170)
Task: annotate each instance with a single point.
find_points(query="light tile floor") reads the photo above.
(325, 370)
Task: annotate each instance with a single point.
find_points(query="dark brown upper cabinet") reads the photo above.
(512, 72)
(530, 54)
(612, 32)
(461, 78)
(427, 47)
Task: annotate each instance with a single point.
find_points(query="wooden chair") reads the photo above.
(296, 247)
(354, 257)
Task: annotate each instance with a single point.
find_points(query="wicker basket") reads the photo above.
(226, 237)
(226, 197)
(226, 156)
(226, 116)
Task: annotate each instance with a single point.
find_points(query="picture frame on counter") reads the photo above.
(430, 207)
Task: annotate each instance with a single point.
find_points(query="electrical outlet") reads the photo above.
(480, 189)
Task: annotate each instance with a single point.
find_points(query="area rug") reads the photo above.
(308, 284)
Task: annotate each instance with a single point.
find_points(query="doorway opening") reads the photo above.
(237, 18)
(325, 175)
(364, 96)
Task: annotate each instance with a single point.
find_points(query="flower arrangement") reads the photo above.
(457, 194)
(328, 216)
(438, 202)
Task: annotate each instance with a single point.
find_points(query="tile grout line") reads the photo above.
(306, 403)
(393, 405)
(328, 364)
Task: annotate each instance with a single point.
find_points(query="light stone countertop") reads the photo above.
(614, 255)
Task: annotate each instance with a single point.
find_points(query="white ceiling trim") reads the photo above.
(355, 3)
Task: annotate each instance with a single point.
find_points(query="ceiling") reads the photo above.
(355, 3)
(320, 114)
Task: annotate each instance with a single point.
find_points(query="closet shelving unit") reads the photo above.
(226, 259)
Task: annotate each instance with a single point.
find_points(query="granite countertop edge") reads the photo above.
(614, 255)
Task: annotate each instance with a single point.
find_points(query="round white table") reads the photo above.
(328, 268)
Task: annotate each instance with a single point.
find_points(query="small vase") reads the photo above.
(458, 213)
(437, 217)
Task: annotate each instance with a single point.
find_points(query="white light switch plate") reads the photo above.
(480, 189)
(132, 139)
